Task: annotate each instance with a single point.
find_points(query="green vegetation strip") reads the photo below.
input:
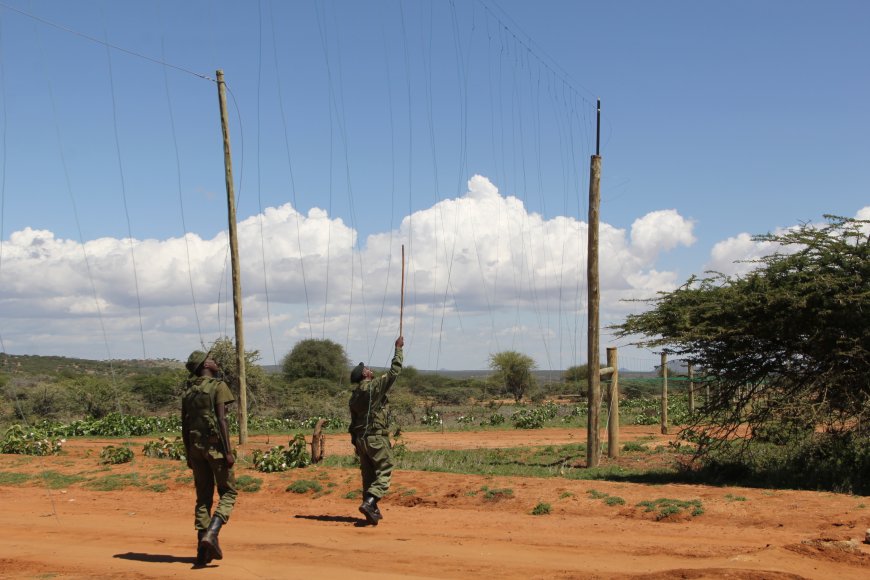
(551, 461)
(11, 478)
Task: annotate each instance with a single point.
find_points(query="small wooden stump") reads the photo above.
(318, 443)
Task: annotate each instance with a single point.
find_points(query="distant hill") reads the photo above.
(53, 365)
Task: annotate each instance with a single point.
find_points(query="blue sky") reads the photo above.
(460, 129)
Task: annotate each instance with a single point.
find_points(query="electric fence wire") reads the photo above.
(260, 214)
(174, 133)
(124, 188)
(390, 108)
(163, 63)
(104, 42)
(3, 159)
(426, 50)
(296, 210)
(462, 68)
(411, 267)
(324, 47)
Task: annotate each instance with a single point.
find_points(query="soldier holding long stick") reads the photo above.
(368, 423)
(369, 431)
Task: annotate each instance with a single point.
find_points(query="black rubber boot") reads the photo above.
(201, 553)
(369, 508)
(210, 540)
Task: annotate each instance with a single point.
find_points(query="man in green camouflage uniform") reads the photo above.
(207, 443)
(368, 431)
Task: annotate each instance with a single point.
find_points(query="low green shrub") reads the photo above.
(304, 486)
(164, 448)
(19, 441)
(114, 455)
(665, 507)
(541, 509)
(248, 484)
(280, 459)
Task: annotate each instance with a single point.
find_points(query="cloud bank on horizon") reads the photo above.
(482, 274)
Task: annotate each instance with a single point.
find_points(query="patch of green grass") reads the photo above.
(471, 493)
(55, 480)
(608, 499)
(635, 447)
(665, 507)
(346, 461)
(861, 506)
(353, 494)
(12, 478)
(157, 487)
(304, 486)
(184, 479)
(541, 509)
(496, 494)
(731, 497)
(114, 482)
(248, 483)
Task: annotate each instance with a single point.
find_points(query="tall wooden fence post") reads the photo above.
(613, 413)
(664, 393)
(235, 264)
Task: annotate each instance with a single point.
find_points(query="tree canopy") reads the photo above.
(513, 370)
(316, 359)
(788, 341)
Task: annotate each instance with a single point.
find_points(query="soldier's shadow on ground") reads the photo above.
(156, 558)
(358, 522)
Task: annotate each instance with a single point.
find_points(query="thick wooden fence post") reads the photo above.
(664, 393)
(613, 412)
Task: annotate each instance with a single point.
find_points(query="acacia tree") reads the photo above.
(316, 358)
(513, 370)
(224, 353)
(787, 343)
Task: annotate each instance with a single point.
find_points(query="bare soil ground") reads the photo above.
(435, 525)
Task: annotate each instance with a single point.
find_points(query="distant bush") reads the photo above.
(534, 418)
(114, 425)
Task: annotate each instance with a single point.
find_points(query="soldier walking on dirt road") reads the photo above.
(368, 431)
(207, 444)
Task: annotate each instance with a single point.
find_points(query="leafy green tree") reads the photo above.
(317, 359)
(513, 370)
(160, 389)
(576, 374)
(95, 396)
(224, 353)
(787, 343)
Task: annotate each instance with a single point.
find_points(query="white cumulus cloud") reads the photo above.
(482, 273)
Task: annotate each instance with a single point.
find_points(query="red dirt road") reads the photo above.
(436, 525)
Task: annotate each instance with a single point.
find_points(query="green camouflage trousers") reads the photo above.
(376, 464)
(210, 469)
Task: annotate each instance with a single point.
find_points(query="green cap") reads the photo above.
(195, 360)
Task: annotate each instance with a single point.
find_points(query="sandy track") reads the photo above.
(436, 525)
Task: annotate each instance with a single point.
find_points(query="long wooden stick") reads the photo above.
(402, 308)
